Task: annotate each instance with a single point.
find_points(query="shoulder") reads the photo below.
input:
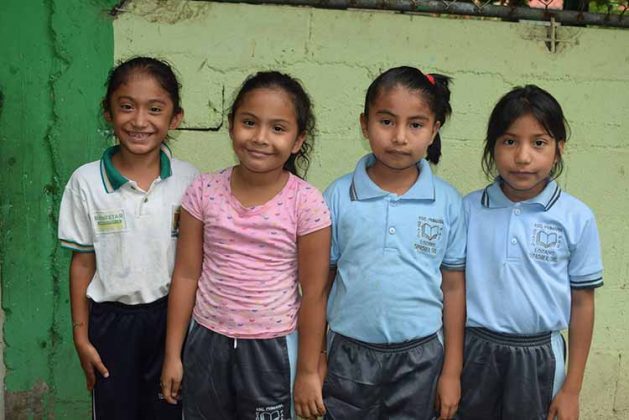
(446, 193)
(87, 176)
(473, 198)
(181, 168)
(304, 189)
(571, 208)
(339, 186)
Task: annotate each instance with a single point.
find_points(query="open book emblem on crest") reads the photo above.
(430, 232)
(547, 240)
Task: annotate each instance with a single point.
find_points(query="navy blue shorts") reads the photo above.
(382, 381)
(227, 378)
(130, 341)
(510, 377)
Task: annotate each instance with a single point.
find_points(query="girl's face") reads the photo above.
(400, 127)
(264, 130)
(525, 155)
(141, 112)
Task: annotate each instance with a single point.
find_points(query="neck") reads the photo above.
(396, 181)
(143, 169)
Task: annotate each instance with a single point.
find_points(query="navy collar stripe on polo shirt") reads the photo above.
(494, 197)
(113, 179)
(363, 188)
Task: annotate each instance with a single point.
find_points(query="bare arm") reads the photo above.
(82, 269)
(314, 260)
(181, 301)
(449, 387)
(566, 403)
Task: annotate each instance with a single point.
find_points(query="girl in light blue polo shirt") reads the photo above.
(533, 262)
(397, 257)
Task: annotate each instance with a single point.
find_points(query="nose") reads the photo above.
(140, 119)
(523, 154)
(260, 136)
(400, 135)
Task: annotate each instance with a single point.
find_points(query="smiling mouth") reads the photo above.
(139, 136)
(258, 153)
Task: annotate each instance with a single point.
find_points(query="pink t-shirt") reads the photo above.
(248, 285)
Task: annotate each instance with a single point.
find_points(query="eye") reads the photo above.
(416, 125)
(386, 122)
(278, 129)
(508, 142)
(126, 107)
(155, 109)
(539, 143)
(248, 123)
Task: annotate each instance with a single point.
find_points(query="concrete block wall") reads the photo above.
(337, 53)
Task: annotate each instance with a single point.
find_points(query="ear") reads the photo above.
(363, 125)
(435, 130)
(298, 143)
(176, 120)
(107, 116)
(560, 144)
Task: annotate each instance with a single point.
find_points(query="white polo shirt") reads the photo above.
(523, 259)
(133, 232)
(389, 250)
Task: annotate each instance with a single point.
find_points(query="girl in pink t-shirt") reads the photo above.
(249, 236)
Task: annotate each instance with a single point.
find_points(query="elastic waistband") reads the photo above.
(511, 339)
(117, 306)
(394, 347)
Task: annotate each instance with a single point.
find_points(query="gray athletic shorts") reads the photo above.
(379, 381)
(227, 378)
(510, 377)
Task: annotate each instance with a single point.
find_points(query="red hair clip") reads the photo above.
(430, 78)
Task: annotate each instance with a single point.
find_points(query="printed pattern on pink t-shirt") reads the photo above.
(248, 286)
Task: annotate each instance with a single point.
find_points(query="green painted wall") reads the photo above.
(337, 54)
(55, 55)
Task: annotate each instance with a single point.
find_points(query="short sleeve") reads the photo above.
(192, 199)
(454, 258)
(312, 212)
(585, 267)
(75, 230)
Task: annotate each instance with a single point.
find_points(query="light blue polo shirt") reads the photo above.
(523, 259)
(388, 251)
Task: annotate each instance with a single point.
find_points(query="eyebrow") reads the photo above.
(540, 134)
(129, 98)
(250, 114)
(413, 117)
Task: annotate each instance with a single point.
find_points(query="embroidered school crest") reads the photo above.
(545, 242)
(429, 232)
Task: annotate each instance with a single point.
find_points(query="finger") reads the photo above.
(176, 389)
(306, 411)
(437, 403)
(298, 410)
(100, 367)
(314, 408)
(443, 413)
(320, 407)
(552, 413)
(90, 378)
(167, 391)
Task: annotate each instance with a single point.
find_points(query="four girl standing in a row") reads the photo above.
(254, 251)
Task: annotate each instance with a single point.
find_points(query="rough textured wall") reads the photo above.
(55, 55)
(337, 54)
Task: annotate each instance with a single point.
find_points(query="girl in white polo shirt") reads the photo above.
(119, 216)
(250, 235)
(533, 261)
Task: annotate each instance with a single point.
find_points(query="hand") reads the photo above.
(448, 396)
(565, 406)
(90, 360)
(172, 374)
(308, 396)
(323, 366)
